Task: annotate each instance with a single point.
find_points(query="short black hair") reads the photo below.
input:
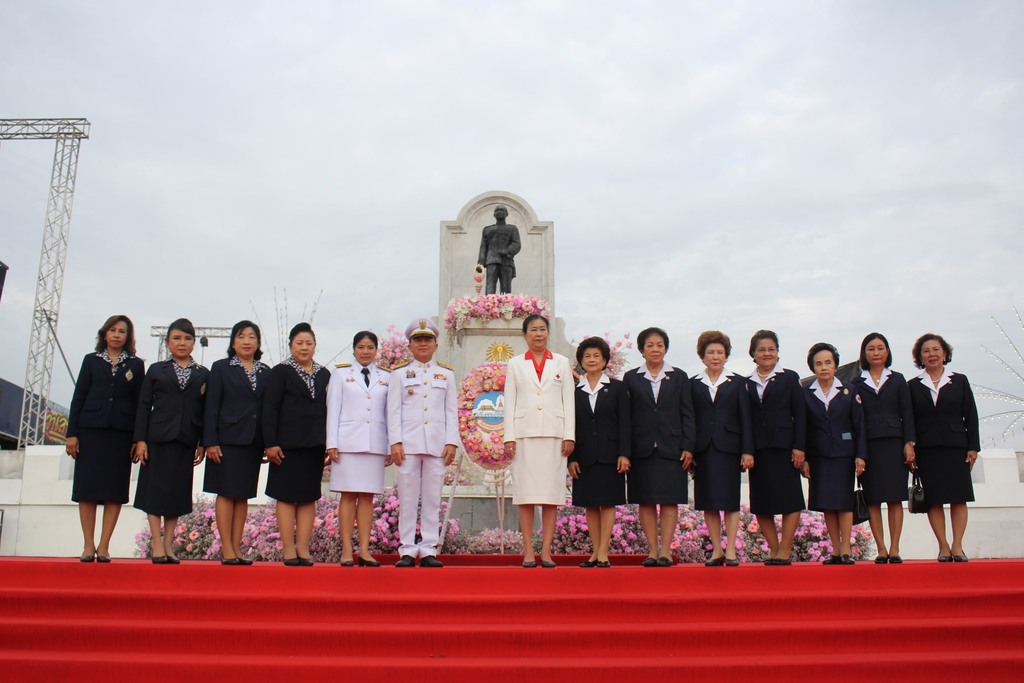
(926, 337)
(365, 334)
(237, 329)
(818, 348)
(182, 325)
(299, 329)
(864, 365)
(758, 336)
(594, 343)
(641, 338)
(531, 318)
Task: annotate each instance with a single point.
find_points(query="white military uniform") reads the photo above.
(357, 427)
(423, 417)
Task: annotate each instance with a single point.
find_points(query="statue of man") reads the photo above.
(499, 244)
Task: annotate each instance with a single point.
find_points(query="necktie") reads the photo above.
(366, 376)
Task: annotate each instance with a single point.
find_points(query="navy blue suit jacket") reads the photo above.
(952, 421)
(780, 415)
(887, 413)
(103, 400)
(602, 434)
(839, 431)
(233, 408)
(667, 423)
(724, 422)
(166, 411)
(291, 417)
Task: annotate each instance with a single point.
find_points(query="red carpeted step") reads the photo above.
(132, 620)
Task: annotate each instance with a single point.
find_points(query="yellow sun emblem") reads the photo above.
(499, 351)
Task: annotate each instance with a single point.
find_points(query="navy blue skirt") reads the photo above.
(831, 484)
(716, 480)
(775, 485)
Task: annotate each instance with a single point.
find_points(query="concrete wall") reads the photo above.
(40, 520)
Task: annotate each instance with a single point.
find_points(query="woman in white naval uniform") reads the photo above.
(423, 427)
(540, 433)
(357, 442)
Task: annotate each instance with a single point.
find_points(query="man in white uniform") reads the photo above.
(423, 427)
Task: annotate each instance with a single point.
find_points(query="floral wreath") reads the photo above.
(487, 307)
(485, 447)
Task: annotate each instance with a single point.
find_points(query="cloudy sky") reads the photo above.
(823, 169)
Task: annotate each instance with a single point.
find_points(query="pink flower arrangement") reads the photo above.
(196, 537)
(487, 307)
(485, 448)
(394, 349)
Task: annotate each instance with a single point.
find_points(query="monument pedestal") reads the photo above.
(498, 340)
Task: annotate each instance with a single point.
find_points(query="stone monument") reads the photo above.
(534, 263)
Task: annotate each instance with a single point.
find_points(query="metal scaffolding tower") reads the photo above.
(50, 280)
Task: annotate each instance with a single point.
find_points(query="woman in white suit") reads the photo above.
(357, 442)
(540, 432)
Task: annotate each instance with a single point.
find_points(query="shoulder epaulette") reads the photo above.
(342, 365)
(400, 365)
(446, 366)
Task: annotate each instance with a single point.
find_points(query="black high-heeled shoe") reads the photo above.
(159, 559)
(716, 561)
(368, 563)
(87, 558)
(292, 562)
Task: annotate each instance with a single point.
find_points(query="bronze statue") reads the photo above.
(499, 244)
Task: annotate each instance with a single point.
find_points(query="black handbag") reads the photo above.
(915, 496)
(860, 506)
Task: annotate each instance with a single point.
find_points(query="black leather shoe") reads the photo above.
(305, 561)
(603, 564)
(244, 562)
(846, 559)
(406, 561)
(945, 558)
(716, 562)
(587, 564)
(734, 562)
(292, 562)
(650, 562)
(664, 561)
(532, 564)
(548, 564)
(171, 559)
(430, 561)
(367, 563)
(347, 563)
(959, 558)
(833, 559)
(160, 559)
(87, 558)
(882, 559)
(103, 559)
(895, 559)
(233, 562)
(779, 562)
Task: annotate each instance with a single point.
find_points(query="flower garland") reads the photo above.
(483, 437)
(487, 307)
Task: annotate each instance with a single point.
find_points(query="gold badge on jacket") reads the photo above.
(128, 376)
(202, 389)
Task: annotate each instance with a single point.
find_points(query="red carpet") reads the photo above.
(131, 620)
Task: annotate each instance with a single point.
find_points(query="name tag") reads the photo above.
(847, 436)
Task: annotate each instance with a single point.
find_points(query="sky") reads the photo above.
(823, 169)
